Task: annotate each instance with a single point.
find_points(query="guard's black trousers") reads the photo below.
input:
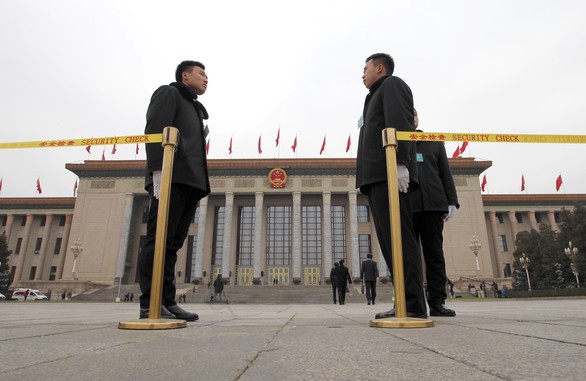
(182, 208)
(378, 198)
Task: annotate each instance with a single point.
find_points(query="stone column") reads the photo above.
(44, 245)
(258, 226)
(327, 232)
(551, 216)
(23, 247)
(124, 236)
(64, 246)
(354, 247)
(226, 253)
(514, 230)
(296, 236)
(8, 229)
(498, 272)
(533, 221)
(201, 235)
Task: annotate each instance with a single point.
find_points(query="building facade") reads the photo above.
(266, 219)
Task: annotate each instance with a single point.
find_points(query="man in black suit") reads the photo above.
(175, 105)
(434, 202)
(389, 103)
(333, 280)
(369, 275)
(342, 279)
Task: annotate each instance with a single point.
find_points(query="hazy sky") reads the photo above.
(77, 69)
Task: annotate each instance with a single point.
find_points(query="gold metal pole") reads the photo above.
(400, 320)
(170, 139)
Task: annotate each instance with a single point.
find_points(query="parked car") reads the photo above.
(33, 294)
(2, 297)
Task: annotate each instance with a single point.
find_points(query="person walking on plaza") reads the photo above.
(175, 105)
(369, 275)
(434, 202)
(342, 280)
(389, 103)
(218, 289)
(334, 280)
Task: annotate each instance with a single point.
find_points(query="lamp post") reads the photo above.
(524, 261)
(76, 249)
(572, 253)
(475, 246)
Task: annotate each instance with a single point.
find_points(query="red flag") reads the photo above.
(323, 146)
(208, 146)
(522, 183)
(1, 184)
(104, 154)
(136, 152)
(259, 149)
(483, 183)
(88, 149)
(463, 148)
(278, 137)
(456, 153)
(558, 183)
(230, 148)
(75, 188)
(348, 144)
(39, 189)
(294, 146)
(114, 149)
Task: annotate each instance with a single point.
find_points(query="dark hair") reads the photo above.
(342, 261)
(368, 255)
(184, 66)
(385, 60)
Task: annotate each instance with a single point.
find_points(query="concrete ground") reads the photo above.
(489, 339)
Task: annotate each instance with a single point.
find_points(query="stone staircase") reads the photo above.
(247, 294)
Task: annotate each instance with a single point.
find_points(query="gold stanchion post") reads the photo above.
(170, 139)
(400, 320)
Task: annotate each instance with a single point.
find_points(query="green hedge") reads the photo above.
(549, 293)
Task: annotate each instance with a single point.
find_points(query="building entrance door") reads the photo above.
(244, 275)
(280, 273)
(311, 275)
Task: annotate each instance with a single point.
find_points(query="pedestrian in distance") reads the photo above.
(334, 281)
(369, 275)
(218, 289)
(389, 103)
(342, 280)
(175, 105)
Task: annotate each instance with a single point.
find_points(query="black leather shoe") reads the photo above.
(441, 310)
(165, 314)
(180, 313)
(391, 313)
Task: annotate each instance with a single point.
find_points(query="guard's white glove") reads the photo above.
(157, 184)
(451, 212)
(403, 177)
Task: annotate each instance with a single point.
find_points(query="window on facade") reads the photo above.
(3, 219)
(338, 233)
(33, 272)
(145, 215)
(195, 216)
(190, 265)
(218, 245)
(503, 243)
(23, 221)
(363, 215)
(499, 218)
(279, 236)
(57, 245)
(364, 246)
(245, 244)
(311, 234)
(538, 217)
(18, 245)
(43, 221)
(38, 244)
(62, 220)
(53, 273)
(519, 217)
(557, 217)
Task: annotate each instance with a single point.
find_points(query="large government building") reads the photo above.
(266, 219)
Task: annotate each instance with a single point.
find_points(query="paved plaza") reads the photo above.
(537, 339)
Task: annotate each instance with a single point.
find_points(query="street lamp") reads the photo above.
(524, 260)
(475, 246)
(76, 249)
(572, 253)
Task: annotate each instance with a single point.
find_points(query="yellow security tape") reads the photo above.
(401, 135)
(489, 138)
(131, 139)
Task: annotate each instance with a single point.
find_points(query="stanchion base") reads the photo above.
(405, 322)
(152, 324)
